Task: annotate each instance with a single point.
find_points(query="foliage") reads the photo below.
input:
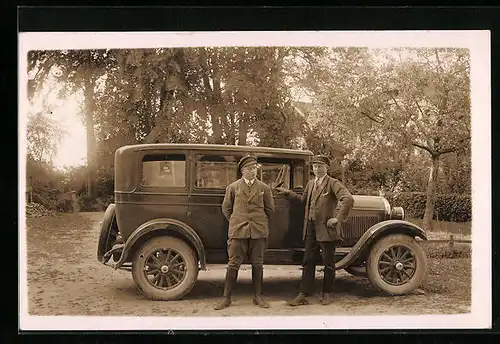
(390, 119)
(448, 207)
(43, 136)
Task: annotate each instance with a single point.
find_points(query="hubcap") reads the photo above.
(397, 265)
(165, 268)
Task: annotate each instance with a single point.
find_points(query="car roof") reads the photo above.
(201, 147)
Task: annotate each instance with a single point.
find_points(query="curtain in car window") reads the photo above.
(164, 170)
(215, 171)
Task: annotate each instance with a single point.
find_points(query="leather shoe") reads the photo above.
(225, 302)
(327, 299)
(300, 300)
(259, 301)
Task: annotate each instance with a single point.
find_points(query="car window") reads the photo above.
(164, 170)
(215, 171)
(298, 176)
(269, 172)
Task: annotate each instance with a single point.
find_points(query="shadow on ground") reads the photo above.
(274, 288)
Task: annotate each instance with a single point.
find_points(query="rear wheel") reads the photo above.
(165, 268)
(397, 264)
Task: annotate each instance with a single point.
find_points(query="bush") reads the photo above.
(448, 207)
(86, 203)
(46, 196)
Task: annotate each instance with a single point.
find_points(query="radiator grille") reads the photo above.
(357, 225)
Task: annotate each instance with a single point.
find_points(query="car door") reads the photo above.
(212, 172)
(285, 226)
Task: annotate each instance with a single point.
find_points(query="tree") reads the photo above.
(43, 136)
(384, 104)
(76, 70)
(427, 92)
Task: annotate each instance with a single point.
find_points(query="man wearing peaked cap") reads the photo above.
(246, 160)
(321, 159)
(322, 226)
(248, 205)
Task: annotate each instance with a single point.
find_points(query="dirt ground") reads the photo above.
(65, 278)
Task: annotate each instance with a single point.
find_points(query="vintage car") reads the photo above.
(166, 223)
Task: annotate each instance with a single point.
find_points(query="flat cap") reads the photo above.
(321, 159)
(246, 160)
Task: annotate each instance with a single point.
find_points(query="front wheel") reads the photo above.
(397, 264)
(165, 268)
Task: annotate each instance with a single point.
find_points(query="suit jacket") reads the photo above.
(248, 209)
(326, 198)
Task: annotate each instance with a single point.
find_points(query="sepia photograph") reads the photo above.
(254, 180)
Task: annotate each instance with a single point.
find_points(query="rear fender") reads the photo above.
(376, 232)
(163, 225)
(107, 236)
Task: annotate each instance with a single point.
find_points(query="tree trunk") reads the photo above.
(216, 127)
(91, 140)
(431, 193)
(242, 130)
(342, 173)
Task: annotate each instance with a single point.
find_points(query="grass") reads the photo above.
(441, 230)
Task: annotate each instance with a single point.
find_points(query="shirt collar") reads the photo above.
(249, 181)
(316, 179)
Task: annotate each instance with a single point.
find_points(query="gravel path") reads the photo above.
(64, 278)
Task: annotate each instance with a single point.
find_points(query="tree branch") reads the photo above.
(454, 148)
(370, 117)
(447, 150)
(419, 108)
(423, 147)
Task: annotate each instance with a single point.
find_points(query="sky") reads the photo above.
(72, 150)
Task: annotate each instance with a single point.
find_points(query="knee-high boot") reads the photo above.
(231, 277)
(257, 281)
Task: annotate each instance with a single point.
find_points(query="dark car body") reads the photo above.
(176, 190)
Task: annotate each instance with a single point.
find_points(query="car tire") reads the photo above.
(358, 271)
(165, 268)
(109, 233)
(397, 264)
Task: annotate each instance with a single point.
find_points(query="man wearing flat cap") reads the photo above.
(248, 205)
(322, 226)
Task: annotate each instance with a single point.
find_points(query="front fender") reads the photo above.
(161, 224)
(375, 232)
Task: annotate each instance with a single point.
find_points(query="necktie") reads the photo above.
(311, 200)
(316, 184)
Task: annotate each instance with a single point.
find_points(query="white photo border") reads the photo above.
(478, 43)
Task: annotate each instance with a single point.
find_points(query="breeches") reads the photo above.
(239, 249)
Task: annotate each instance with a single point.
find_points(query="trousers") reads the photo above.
(311, 256)
(239, 249)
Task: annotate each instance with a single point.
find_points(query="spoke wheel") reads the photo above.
(397, 264)
(165, 268)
